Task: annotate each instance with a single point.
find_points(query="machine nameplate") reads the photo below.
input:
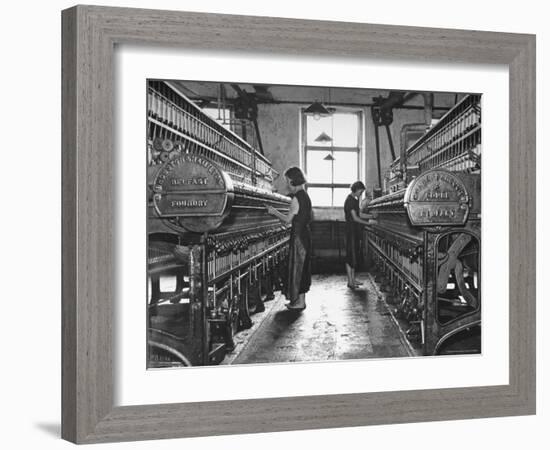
(437, 197)
(190, 186)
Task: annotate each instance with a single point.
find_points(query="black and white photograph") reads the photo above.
(294, 224)
(276, 225)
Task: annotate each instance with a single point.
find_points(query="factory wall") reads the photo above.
(400, 118)
(280, 134)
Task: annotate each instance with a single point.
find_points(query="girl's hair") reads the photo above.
(296, 176)
(357, 186)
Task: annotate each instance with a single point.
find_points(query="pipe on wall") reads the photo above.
(417, 126)
(428, 107)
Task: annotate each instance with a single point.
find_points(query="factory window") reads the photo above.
(332, 155)
(222, 116)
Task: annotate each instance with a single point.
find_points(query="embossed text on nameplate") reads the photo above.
(437, 197)
(190, 186)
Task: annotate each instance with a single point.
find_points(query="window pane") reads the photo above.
(346, 130)
(340, 195)
(316, 127)
(318, 170)
(345, 167)
(213, 113)
(320, 196)
(343, 128)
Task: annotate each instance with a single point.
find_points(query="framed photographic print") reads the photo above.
(245, 200)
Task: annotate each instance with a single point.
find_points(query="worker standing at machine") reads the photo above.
(353, 231)
(298, 280)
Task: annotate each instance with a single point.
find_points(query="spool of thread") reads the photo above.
(157, 144)
(167, 145)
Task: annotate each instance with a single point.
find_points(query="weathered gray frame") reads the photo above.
(89, 36)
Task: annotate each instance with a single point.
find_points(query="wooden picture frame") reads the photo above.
(89, 36)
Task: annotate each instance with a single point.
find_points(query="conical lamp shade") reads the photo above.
(317, 108)
(329, 157)
(323, 137)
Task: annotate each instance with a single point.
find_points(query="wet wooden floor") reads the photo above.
(337, 324)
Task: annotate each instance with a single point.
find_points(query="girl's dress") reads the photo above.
(299, 257)
(353, 232)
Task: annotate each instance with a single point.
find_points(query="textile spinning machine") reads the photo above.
(214, 254)
(426, 241)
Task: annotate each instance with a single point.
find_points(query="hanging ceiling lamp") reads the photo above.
(330, 157)
(323, 137)
(317, 110)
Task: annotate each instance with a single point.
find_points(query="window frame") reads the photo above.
(360, 150)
